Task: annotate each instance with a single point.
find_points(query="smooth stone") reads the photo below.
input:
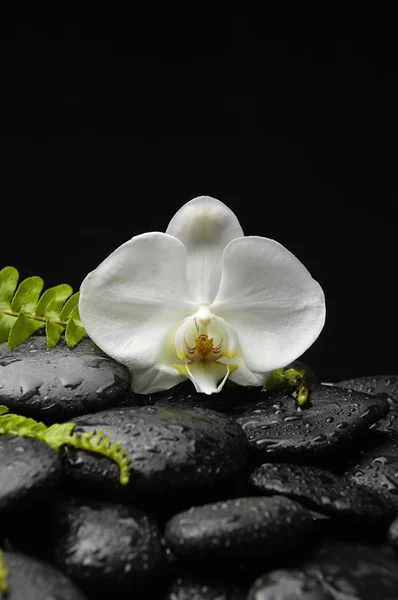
(331, 420)
(205, 588)
(103, 545)
(242, 528)
(29, 469)
(383, 385)
(392, 534)
(375, 465)
(32, 579)
(54, 384)
(172, 450)
(323, 491)
(338, 569)
(377, 384)
(288, 584)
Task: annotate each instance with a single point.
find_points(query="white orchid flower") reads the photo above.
(203, 302)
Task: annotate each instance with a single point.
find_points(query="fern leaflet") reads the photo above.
(3, 576)
(24, 310)
(60, 434)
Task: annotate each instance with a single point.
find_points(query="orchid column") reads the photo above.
(203, 302)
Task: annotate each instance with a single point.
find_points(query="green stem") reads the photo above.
(34, 317)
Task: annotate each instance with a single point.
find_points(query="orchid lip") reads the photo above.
(200, 342)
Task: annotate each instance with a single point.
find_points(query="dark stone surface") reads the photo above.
(288, 584)
(29, 469)
(31, 579)
(171, 449)
(55, 384)
(204, 588)
(107, 546)
(385, 386)
(190, 481)
(378, 384)
(392, 534)
(375, 464)
(331, 420)
(243, 528)
(323, 491)
(338, 571)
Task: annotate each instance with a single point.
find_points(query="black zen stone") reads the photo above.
(392, 535)
(378, 384)
(172, 449)
(103, 545)
(29, 469)
(332, 419)
(383, 385)
(204, 588)
(54, 384)
(337, 570)
(32, 579)
(288, 584)
(376, 464)
(323, 491)
(243, 528)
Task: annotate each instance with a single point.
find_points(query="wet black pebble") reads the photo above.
(375, 465)
(32, 579)
(204, 588)
(288, 584)
(243, 528)
(339, 570)
(171, 449)
(385, 386)
(332, 419)
(103, 545)
(53, 384)
(377, 384)
(323, 491)
(29, 469)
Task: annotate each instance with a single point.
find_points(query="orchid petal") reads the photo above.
(207, 377)
(132, 302)
(205, 226)
(243, 376)
(268, 296)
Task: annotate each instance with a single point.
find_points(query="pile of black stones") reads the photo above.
(238, 495)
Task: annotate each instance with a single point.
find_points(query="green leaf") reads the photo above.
(52, 301)
(53, 333)
(74, 330)
(6, 322)
(60, 434)
(27, 295)
(8, 283)
(23, 311)
(22, 328)
(69, 307)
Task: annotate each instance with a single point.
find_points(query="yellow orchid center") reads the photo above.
(201, 341)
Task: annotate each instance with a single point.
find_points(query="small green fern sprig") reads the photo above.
(3, 576)
(24, 311)
(58, 435)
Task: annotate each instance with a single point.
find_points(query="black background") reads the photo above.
(108, 130)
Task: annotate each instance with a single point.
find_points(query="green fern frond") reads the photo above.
(3, 577)
(61, 434)
(24, 310)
